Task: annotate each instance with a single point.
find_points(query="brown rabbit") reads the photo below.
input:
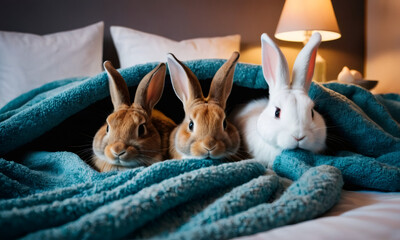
(204, 132)
(134, 135)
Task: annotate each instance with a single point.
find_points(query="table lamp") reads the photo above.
(301, 18)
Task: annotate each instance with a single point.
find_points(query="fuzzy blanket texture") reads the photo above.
(56, 195)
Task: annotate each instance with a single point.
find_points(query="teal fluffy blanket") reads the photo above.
(55, 194)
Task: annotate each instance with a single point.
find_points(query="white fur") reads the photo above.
(266, 136)
(246, 121)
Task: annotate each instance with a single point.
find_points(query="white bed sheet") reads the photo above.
(358, 215)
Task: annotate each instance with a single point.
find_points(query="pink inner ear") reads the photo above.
(151, 91)
(182, 86)
(272, 58)
(179, 80)
(311, 65)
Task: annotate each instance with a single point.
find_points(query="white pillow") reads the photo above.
(28, 61)
(135, 47)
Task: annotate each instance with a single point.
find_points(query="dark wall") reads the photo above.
(182, 19)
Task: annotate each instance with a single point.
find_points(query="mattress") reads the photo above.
(358, 215)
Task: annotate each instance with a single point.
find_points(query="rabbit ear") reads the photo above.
(274, 64)
(185, 83)
(118, 88)
(151, 88)
(303, 68)
(221, 84)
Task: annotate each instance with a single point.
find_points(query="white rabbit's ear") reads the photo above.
(151, 88)
(274, 64)
(303, 68)
(118, 88)
(222, 82)
(184, 82)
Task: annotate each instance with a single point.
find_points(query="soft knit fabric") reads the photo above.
(53, 195)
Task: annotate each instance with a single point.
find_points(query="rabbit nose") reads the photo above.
(209, 144)
(209, 149)
(118, 154)
(299, 139)
(118, 150)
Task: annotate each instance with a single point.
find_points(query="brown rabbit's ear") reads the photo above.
(118, 88)
(151, 88)
(185, 83)
(222, 82)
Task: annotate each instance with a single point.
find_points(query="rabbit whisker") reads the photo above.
(160, 150)
(336, 140)
(320, 128)
(317, 98)
(79, 146)
(85, 155)
(153, 151)
(331, 127)
(86, 135)
(145, 160)
(235, 156)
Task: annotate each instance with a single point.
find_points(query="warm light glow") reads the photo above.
(300, 18)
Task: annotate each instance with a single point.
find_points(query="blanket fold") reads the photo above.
(53, 195)
(314, 190)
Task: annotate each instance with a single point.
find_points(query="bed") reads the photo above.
(349, 192)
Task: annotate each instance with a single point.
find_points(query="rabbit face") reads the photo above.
(290, 122)
(205, 133)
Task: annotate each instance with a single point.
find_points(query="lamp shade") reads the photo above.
(300, 18)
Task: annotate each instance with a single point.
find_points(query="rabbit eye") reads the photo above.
(108, 128)
(312, 113)
(224, 124)
(277, 112)
(141, 130)
(191, 125)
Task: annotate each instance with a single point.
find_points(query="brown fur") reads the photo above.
(209, 138)
(122, 147)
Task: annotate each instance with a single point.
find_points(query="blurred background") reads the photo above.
(369, 42)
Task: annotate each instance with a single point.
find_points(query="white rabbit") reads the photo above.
(287, 120)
